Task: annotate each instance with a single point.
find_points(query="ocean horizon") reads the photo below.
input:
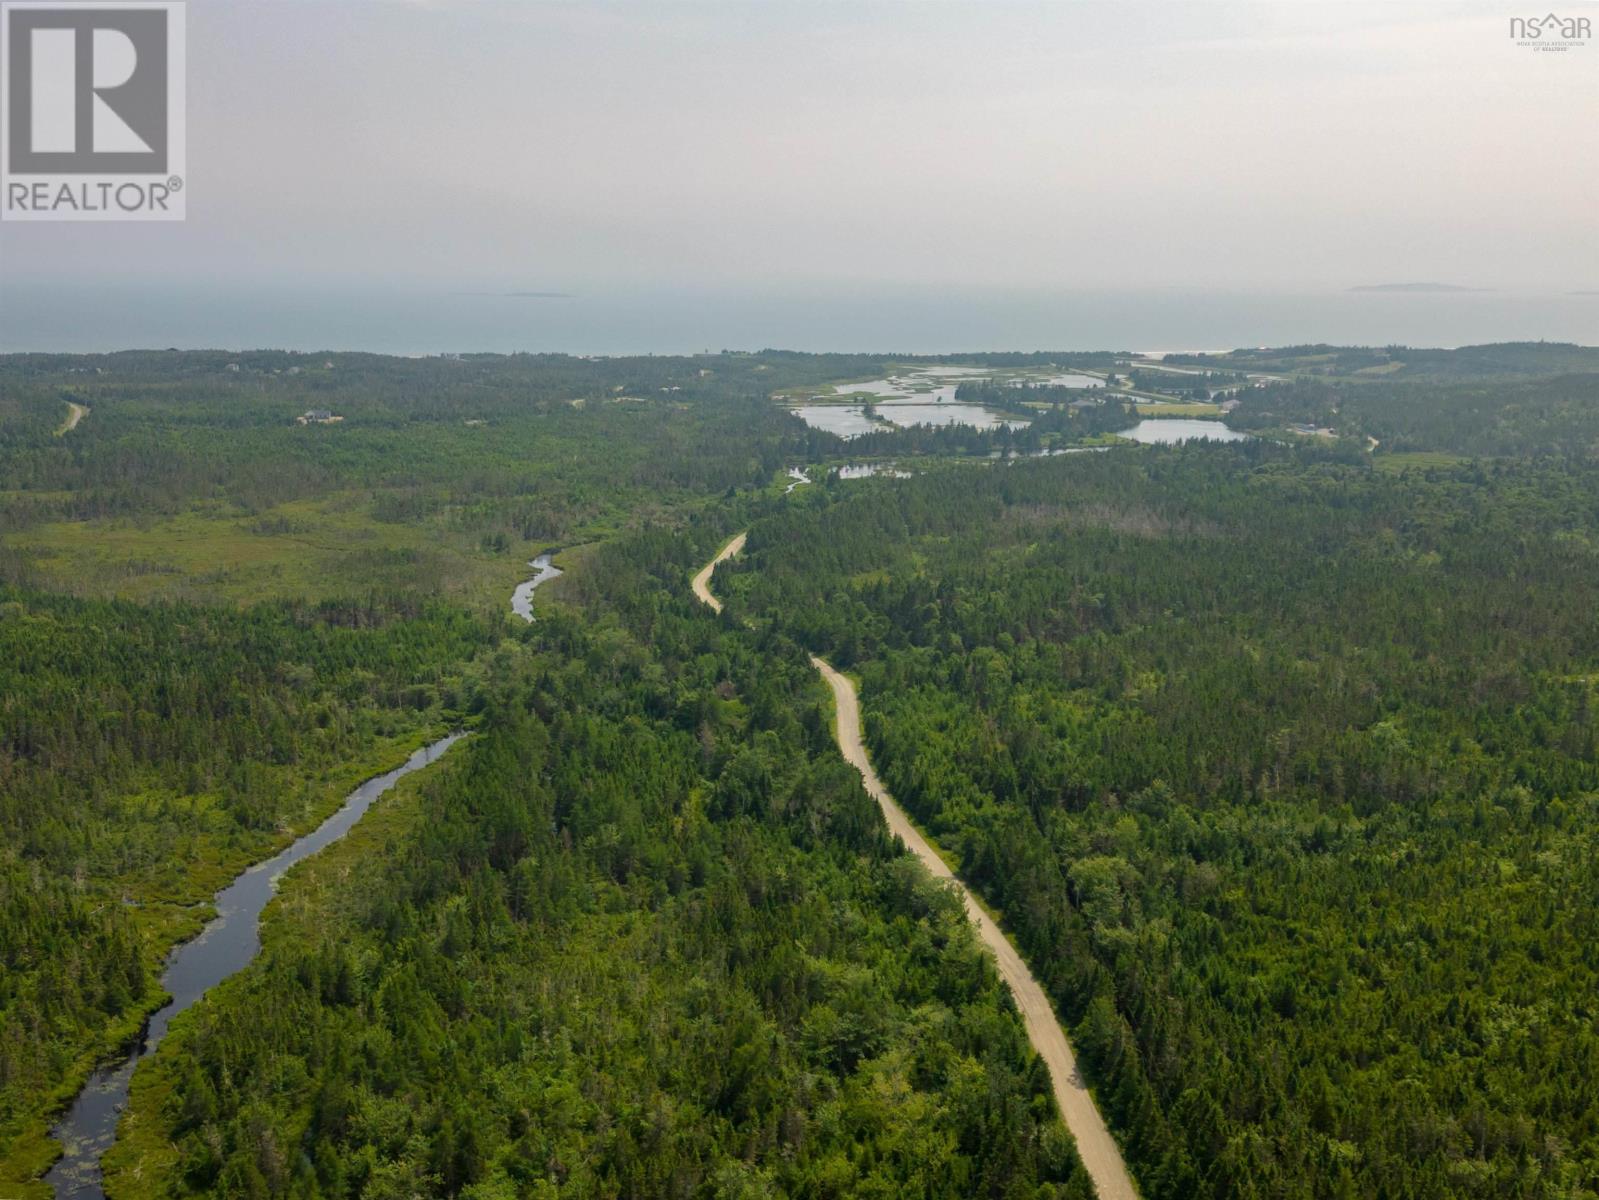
(62, 318)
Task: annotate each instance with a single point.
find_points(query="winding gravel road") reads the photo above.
(1095, 1146)
(702, 581)
(75, 413)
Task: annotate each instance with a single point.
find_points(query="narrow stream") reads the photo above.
(223, 947)
(522, 598)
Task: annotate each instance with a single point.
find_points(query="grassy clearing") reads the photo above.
(304, 549)
(1195, 408)
(1415, 460)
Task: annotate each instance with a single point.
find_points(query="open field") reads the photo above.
(1196, 408)
(303, 548)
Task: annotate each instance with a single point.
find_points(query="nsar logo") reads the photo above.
(91, 111)
(1551, 32)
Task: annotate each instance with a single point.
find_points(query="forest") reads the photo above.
(191, 480)
(1278, 760)
(147, 754)
(1500, 361)
(168, 716)
(646, 937)
(1544, 418)
(167, 721)
(1282, 771)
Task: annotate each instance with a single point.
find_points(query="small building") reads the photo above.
(318, 416)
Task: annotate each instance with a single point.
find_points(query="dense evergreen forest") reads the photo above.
(163, 725)
(647, 937)
(1545, 418)
(1282, 770)
(147, 753)
(1280, 760)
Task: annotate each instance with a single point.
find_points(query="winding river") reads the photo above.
(1101, 1157)
(223, 948)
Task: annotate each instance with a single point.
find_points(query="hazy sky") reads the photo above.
(782, 144)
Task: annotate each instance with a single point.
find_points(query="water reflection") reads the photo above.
(1168, 431)
(868, 470)
(522, 598)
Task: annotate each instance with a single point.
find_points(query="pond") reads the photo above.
(846, 420)
(1168, 431)
(850, 420)
(906, 415)
(925, 396)
(1071, 381)
(868, 470)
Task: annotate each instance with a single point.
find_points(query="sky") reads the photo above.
(814, 147)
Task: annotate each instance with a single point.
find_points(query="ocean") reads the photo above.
(414, 321)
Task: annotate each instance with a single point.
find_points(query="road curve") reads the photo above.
(1098, 1150)
(75, 413)
(702, 581)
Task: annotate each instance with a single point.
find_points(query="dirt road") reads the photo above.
(75, 413)
(1095, 1146)
(702, 581)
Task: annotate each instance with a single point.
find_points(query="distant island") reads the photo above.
(521, 295)
(1415, 287)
